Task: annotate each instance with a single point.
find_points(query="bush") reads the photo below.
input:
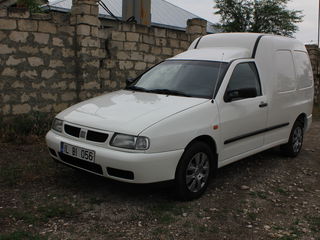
(17, 128)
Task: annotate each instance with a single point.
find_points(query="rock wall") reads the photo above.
(51, 61)
(314, 53)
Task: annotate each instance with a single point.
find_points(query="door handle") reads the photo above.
(263, 104)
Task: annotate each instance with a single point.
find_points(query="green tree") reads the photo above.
(266, 16)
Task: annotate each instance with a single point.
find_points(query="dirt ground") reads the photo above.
(266, 196)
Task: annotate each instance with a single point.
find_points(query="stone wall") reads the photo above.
(51, 61)
(314, 53)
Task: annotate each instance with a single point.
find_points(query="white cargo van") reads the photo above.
(229, 96)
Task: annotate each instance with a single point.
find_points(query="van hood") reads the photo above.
(127, 111)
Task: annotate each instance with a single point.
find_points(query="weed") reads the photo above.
(258, 194)
(19, 235)
(314, 223)
(282, 191)
(56, 210)
(252, 216)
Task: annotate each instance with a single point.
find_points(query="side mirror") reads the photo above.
(129, 81)
(240, 94)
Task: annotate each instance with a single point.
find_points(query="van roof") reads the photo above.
(226, 47)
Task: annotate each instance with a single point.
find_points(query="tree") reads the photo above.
(266, 16)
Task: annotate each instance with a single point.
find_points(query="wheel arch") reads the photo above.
(302, 118)
(212, 145)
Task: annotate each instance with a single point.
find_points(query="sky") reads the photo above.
(307, 32)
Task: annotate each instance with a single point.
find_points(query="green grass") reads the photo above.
(166, 212)
(21, 235)
(282, 191)
(258, 194)
(314, 222)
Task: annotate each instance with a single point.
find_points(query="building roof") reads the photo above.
(163, 13)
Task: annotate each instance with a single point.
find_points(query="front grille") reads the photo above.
(93, 167)
(96, 136)
(71, 130)
(120, 173)
(91, 135)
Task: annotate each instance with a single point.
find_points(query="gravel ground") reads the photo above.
(266, 196)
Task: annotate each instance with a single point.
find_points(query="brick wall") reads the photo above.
(314, 53)
(51, 61)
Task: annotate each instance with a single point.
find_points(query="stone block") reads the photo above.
(38, 85)
(123, 55)
(46, 50)
(88, 19)
(68, 96)
(155, 50)
(144, 47)
(66, 29)
(66, 52)
(19, 36)
(161, 42)
(94, 10)
(80, 9)
(140, 66)
(94, 31)
(118, 45)
(136, 56)
(59, 107)
(160, 32)
(149, 58)
(83, 29)
(132, 37)
(171, 34)
(29, 49)
(57, 42)
(184, 44)
(124, 65)
(17, 84)
(174, 43)
(194, 29)
(6, 109)
(41, 38)
(104, 73)
(62, 85)
(177, 51)
(91, 85)
(31, 74)
(3, 35)
(119, 36)
(27, 25)
(47, 27)
(56, 63)
(148, 39)
(10, 72)
(47, 108)
(166, 51)
(49, 96)
(4, 49)
(130, 46)
(26, 97)
(7, 24)
(89, 42)
(35, 61)
(12, 61)
(21, 108)
(48, 73)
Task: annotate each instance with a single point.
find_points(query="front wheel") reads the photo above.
(294, 145)
(194, 171)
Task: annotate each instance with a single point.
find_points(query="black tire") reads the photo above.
(294, 145)
(194, 171)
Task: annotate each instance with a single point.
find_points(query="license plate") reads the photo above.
(78, 152)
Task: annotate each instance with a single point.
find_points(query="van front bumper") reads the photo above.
(122, 166)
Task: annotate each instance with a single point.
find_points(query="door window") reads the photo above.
(244, 81)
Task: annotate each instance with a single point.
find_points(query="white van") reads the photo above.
(229, 96)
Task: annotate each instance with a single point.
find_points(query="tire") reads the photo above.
(194, 171)
(294, 145)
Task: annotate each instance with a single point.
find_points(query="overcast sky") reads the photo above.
(307, 29)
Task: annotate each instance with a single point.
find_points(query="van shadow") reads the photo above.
(239, 173)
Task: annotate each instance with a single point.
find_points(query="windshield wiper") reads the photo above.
(138, 89)
(169, 92)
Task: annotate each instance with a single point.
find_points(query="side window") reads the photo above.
(303, 69)
(286, 80)
(244, 82)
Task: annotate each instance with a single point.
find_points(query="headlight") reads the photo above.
(130, 142)
(57, 125)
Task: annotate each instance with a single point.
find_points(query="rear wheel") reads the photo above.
(194, 171)
(294, 145)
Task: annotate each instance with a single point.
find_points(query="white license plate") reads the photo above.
(78, 152)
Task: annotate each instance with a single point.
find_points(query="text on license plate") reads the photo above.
(78, 152)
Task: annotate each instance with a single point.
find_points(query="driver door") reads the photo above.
(243, 111)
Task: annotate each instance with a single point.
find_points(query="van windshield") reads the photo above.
(182, 77)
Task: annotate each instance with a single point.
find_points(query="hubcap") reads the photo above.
(197, 172)
(297, 139)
